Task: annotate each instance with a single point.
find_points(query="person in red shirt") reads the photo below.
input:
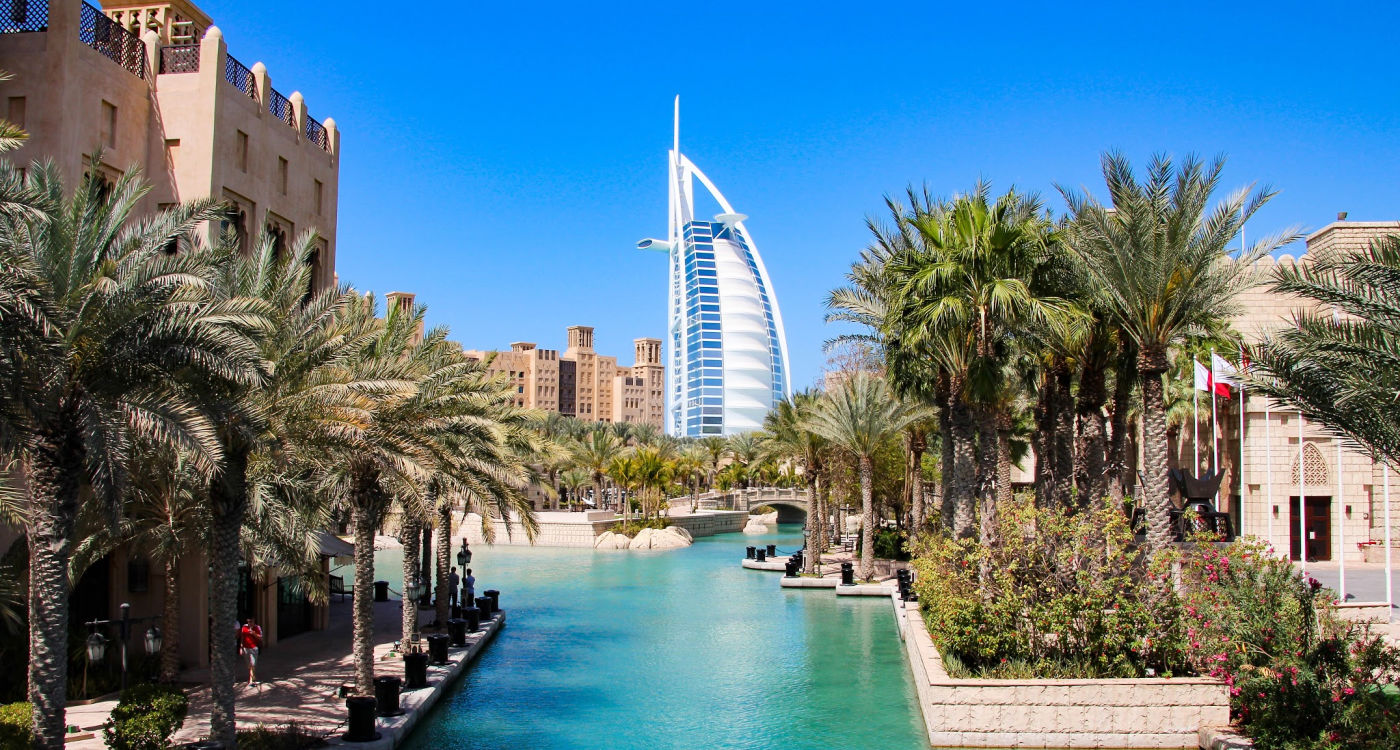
(249, 641)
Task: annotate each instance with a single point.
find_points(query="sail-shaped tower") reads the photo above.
(727, 362)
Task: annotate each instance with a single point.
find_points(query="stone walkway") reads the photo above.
(298, 681)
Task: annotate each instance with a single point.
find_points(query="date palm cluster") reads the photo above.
(171, 393)
(1005, 321)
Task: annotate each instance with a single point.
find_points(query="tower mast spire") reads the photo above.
(676, 134)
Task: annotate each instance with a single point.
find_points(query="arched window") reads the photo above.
(1314, 467)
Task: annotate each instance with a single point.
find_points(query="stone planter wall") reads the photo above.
(1131, 713)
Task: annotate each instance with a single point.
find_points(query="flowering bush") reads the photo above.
(1299, 677)
(1063, 595)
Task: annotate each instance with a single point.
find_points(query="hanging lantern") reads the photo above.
(153, 640)
(96, 647)
(413, 588)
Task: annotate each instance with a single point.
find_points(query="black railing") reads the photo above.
(112, 40)
(182, 58)
(238, 75)
(18, 16)
(316, 133)
(280, 107)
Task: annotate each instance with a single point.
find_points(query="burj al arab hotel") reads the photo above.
(727, 360)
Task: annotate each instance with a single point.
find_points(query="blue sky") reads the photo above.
(490, 148)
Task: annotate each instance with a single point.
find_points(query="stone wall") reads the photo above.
(580, 529)
(1131, 713)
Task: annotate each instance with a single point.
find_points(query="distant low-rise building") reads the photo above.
(579, 383)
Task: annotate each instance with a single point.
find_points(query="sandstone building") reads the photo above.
(579, 383)
(152, 85)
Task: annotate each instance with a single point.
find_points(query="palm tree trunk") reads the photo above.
(443, 556)
(1040, 443)
(362, 623)
(946, 463)
(962, 489)
(987, 455)
(1003, 459)
(918, 442)
(1091, 474)
(230, 495)
(1063, 435)
(812, 529)
(412, 550)
(867, 518)
(817, 507)
(1156, 500)
(425, 565)
(170, 622)
(1120, 427)
(53, 485)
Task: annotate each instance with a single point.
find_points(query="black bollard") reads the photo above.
(483, 603)
(457, 631)
(437, 648)
(360, 726)
(472, 617)
(772, 550)
(456, 611)
(381, 594)
(748, 552)
(386, 695)
(762, 555)
(791, 568)
(495, 597)
(415, 670)
(848, 574)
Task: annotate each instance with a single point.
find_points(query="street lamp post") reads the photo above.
(412, 589)
(464, 555)
(97, 642)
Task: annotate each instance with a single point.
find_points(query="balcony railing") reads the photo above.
(316, 133)
(112, 40)
(280, 107)
(238, 75)
(17, 16)
(183, 58)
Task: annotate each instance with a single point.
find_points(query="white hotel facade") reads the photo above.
(727, 357)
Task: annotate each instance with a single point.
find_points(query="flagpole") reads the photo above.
(1214, 438)
(1389, 553)
(1268, 472)
(1341, 531)
(1195, 421)
(1302, 502)
(1240, 471)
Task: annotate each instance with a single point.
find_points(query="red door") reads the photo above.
(1319, 527)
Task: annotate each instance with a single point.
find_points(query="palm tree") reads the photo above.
(573, 481)
(857, 418)
(11, 135)
(1159, 257)
(744, 449)
(716, 448)
(279, 431)
(107, 338)
(969, 277)
(689, 468)
(1340, 366)
(791, 439)
(594, 454)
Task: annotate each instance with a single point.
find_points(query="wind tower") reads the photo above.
(727, 360)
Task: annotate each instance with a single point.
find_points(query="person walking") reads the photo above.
(452, 580)
(469, 588)
(249, 641)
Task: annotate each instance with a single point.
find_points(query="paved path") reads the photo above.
(298, 680)
(1365, 582)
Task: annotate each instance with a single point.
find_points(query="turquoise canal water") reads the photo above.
(674, 649)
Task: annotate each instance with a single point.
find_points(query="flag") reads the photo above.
(1208, 381)
(1202, 376)
(1224, 375)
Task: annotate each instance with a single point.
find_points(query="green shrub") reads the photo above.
(16, 726)
(1062, 594)
(1300, 678)
(631, 528)
(292, 736)
(145, 718)
(891, 544)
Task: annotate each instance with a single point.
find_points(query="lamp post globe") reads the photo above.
(413, 588)
(96, 647)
